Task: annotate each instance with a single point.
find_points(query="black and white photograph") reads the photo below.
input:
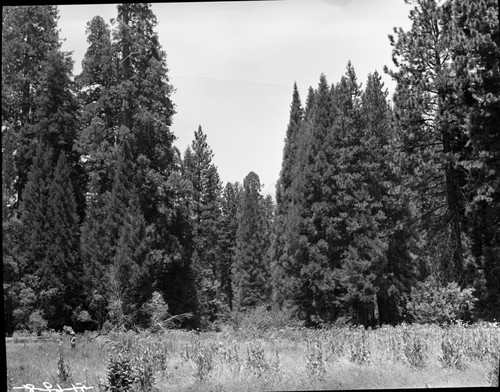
(267, 195)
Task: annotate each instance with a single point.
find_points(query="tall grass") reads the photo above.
(285, 359)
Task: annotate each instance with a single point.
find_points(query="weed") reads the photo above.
(204, 360)
(494, 373)
(315, 365)
(453, 351)
(358, 350)
(415, 349)
(256, 360)
(335, 346)
(120, 373)
(230, 354)
(275, 367)
(144, 371)
(63, 371)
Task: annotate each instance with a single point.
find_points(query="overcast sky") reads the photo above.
(233, 65)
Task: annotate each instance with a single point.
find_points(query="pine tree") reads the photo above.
(206, 215)
(250, 269)
(284, 199)
(476, 61)
(62, 255)
(396, 272)
(34, 228)
(229, 226)
(313, 257)
(129, 273)
(427, 113)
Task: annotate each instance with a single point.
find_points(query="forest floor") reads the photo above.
(287, 359)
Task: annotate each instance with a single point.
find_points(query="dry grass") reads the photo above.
(288, 359)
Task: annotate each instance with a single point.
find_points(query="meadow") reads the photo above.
(405, 356)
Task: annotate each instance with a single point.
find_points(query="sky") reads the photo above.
(233, 65)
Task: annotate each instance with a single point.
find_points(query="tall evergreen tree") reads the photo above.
(29, 39)
(100, 118)
(395, 270)
(38, 97)
(206, 215)
(62, 255)
(127, 114)
(312, 254)
(284, 199)
(35, 231)
(230, 203)
(50, 259)
(475, 51)
(433, 142)
(147, 109)
(250, 270)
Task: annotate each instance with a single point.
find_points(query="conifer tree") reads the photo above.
(313, 255)
(251, 269)
(230, 203)
(62, 256)
(146, 105)
(29, 38)
(97, 139)
(284, 199)
(427, 112)
(35, 228)
(395, 271)
(38, 83)
(127, 113)
(129, 273)
(206, 215)
(476, 62)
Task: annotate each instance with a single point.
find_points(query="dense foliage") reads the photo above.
(384, 212)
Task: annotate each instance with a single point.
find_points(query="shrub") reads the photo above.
(157, 310)
(432, 303)
(263, 318)
(37, 323)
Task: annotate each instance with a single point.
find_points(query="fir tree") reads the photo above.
(396, 272)
(206, 215)
(230, 203)
(313, 257)
(35, 240)
(62, 255)
(284, 199)
(250, 269)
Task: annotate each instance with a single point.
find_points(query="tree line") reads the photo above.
(104, 218)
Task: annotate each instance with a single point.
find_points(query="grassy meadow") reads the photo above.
(279, 359)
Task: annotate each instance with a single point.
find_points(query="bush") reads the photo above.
(432, 303)
(37, 323)
(264, 318)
